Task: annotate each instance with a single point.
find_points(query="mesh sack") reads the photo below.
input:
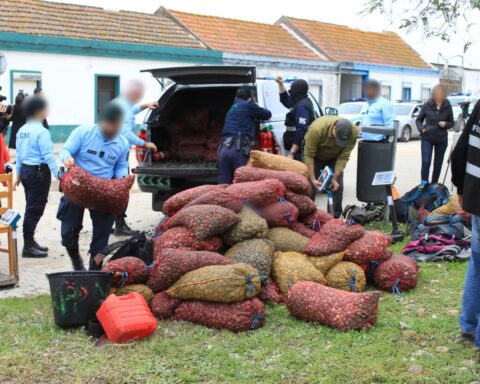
(260, 159)
(211, 154)
(196, 118)
(249, 226)
(219, 197)
(317, 220)
(306, 206)
(183, 140)
(142, 289)
(214, 141)
(346, 276)
(335, 236)
(286, 240)
(181, 237)
(175, 128)
(280, 214)
(256, 252)
(163, 306)
(397, 274)
(179, 200)
(91, 192)
(291, 180)
(333, 307)
(325, 263)
(270, 293)
(258, 193)
(371, 246)
(219, 283)
(290, 267)
(127, 270)
(174, 263)
(189, 152)
(204, 220)
(302, 229)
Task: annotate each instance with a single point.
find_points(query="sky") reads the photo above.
(334, 11)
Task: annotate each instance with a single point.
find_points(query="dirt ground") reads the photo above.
(140, 216)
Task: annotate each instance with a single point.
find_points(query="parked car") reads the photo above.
(196, 89)
(456, 101)
(406, 114)
(352, 111)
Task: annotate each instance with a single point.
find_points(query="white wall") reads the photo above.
(69, 81)
(471, 81)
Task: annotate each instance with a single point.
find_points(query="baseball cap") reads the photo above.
(343, 132)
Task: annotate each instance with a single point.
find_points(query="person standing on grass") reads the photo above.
(466, 177)
(128, 102)
(433, 123)
(35, 166)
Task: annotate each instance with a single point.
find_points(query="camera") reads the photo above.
(9, 107)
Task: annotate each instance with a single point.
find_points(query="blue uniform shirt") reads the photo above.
(241, 118)
(377, 112)
(35, 147)
(104, 158)
(129, 125)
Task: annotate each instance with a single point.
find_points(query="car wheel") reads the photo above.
(406, 134)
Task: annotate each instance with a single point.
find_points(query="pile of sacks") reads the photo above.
(224, 250)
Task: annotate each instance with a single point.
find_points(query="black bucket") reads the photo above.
(76, 296)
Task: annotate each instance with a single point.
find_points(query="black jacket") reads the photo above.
(430, 116)
(466, 163)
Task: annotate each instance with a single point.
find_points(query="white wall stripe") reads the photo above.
(474, 141)
(473, 170)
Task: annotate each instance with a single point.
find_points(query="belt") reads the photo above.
(38, 166)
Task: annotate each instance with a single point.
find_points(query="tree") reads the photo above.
(436, 18)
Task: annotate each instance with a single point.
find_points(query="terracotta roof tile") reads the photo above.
(244, 37)
(75, 21)
(342, 43)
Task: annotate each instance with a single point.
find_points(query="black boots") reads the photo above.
(77, 261)
(32, 250)
(122, 229)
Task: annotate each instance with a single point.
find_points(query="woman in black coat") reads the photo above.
(18, 120)
(433, 122)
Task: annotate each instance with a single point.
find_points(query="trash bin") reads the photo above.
(375, 157)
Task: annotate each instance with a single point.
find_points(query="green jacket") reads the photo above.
(320, 143)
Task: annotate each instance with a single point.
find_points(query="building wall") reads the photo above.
(471, 81)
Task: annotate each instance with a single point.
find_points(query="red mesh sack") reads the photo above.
(196, 118)
(317, 220)
(281, 214)
(91, 192)
(371, 246)
(211, 154)
(190, 152)
(220, 197)
(205, 220)
(399, 273)
(127, 270)
(179, 200)
(163, 306)
(175, 128)
(242, 316)
(174, 263)
(335, 236)
(181, 237)
(291, 180)
(270, 293)
(333, 307)
(184, 140)
(214, 141)
(258, 193)
(305, 204)
(302, 229)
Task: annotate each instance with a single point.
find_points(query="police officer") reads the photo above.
(300, 116)
(128, 101)
(238, 134)
(102, 151)
(35, 166)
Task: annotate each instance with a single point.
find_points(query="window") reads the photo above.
(320, 95)
(387, 92)
(406, 93)
(24, 81)
(107, 88)
(426, 91)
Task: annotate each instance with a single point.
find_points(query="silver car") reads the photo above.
(406, 114)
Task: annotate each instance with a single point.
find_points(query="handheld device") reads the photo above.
(325, 179)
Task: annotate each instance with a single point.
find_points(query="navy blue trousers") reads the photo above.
(36, 183)
(229, 159)
(71, 216)
(428, 149)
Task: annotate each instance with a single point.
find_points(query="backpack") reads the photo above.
(364, 214)
(427, 196)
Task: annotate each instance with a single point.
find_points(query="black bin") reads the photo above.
(76, 296)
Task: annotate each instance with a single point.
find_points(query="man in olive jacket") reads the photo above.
(329, 142)
(466, 177)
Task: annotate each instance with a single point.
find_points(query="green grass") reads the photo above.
(286, 350)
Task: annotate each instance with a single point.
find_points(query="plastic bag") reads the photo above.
(127, 270)
(325, 263)
(371, 246)
(219, 197)
(204, 220)
(333, 307)
(91, 192)
(397, 274)
(220, 283)
(280, 214)
(286, 240)
(290, 267)
(346, 276)
(258, 193)
(306, 206)
(255, 252)
(260, 159)
(249, 226)
(181, 237)
(179, 200)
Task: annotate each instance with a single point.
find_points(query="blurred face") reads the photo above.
(41, 115)
(134, 94)
(439, 94)
(372, 92)
(110, 129)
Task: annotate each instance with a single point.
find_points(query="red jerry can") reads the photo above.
(141, 151)
(126, 317)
